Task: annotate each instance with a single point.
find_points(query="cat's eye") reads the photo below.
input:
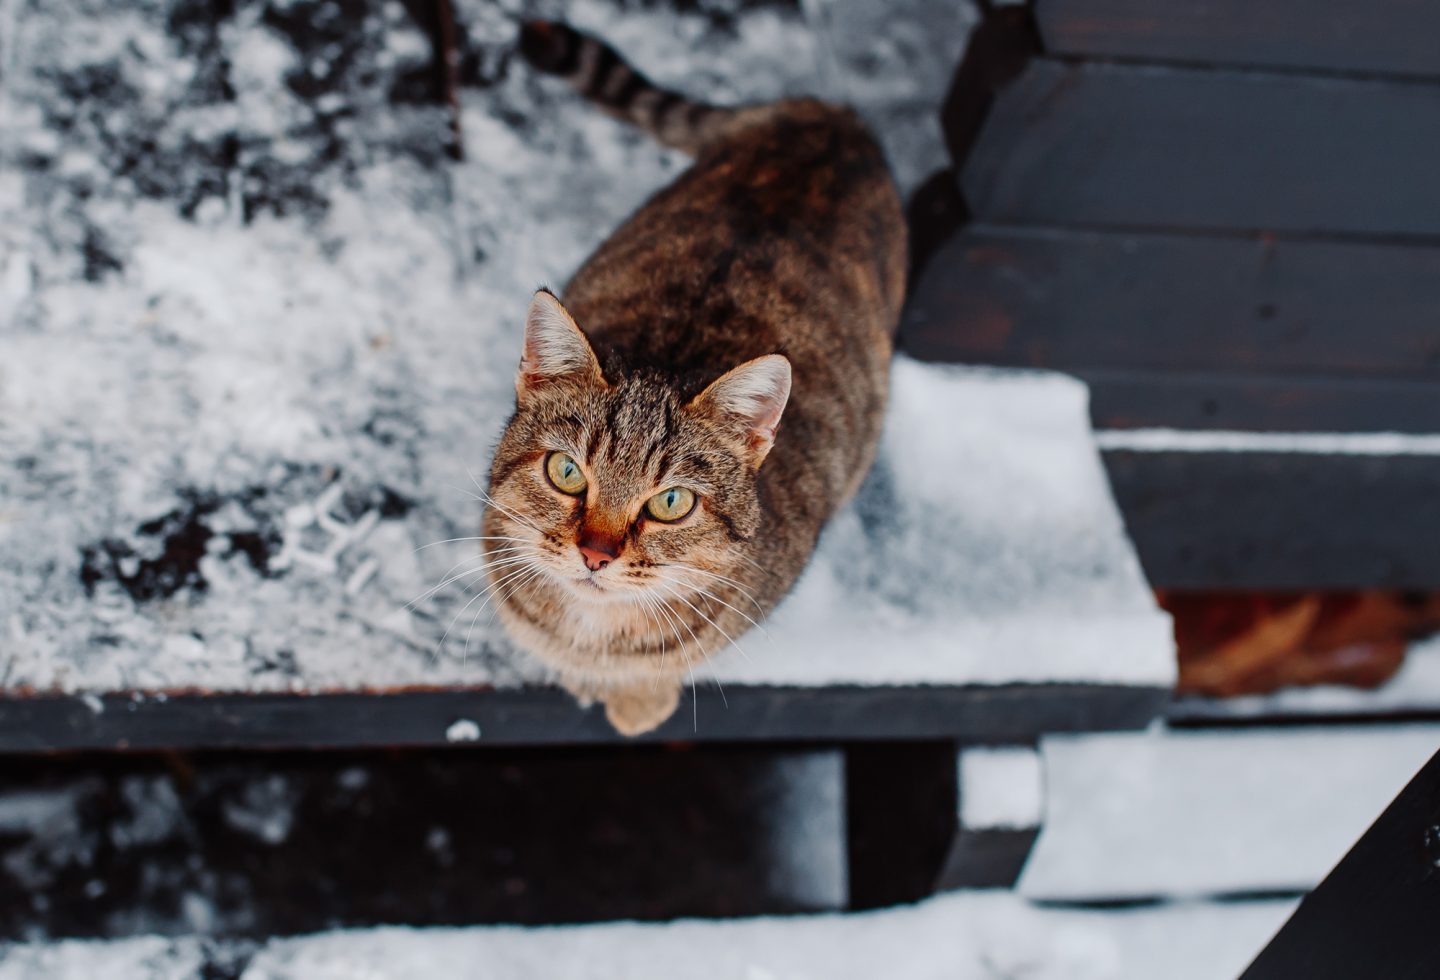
(671, 505)
(564, 474)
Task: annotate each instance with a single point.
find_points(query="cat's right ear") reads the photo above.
(555, 349)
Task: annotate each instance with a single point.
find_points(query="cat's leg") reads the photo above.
(642, 707)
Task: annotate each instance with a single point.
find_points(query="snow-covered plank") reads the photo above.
(142, 958)
(1212, 812)
(242, 388)
(963, 936)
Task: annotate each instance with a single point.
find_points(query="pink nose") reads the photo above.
(595, 559)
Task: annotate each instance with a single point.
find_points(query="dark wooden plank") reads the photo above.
(1275, 403)
(1195, 331)
(1146, 302)
(1145, 147)
(1384, 36)
(269, 840)
(900, 806)
(988, 858)
(1281, 521)
(1016, 712)
(1374, 915)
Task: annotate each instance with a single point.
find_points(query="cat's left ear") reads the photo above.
(752, 398)
(555, 349)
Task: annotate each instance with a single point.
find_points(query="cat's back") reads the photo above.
(787, 234)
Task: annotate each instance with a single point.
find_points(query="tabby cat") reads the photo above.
(707, 393)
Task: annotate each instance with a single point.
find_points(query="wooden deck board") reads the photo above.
(1165, 148)
(547, 716)
(1388, 36)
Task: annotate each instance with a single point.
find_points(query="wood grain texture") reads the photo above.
(1196, 331)
(1152, 147)
(1281, 521)
(532, 716)
(1386, 36)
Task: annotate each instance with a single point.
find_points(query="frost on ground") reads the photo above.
(963, 936)
(259, 334)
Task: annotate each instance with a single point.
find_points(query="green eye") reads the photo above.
(671, 505)
(564, 474)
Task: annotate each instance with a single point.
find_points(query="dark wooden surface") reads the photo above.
(1281, 521)
(1376, 914)
(989, 858)
(549, 717)
(1173, 148)
(267, 843)
(1382, 36)
(1148, 302)
(1196, 331)
(895, 850)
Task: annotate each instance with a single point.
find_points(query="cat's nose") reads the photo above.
(598, 546)
(595, 558)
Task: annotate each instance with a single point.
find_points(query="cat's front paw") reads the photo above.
(642, 708)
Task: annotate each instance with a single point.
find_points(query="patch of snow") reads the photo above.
(1000, 788)
(1223, 441)
(145, 958)
(463, 730)
(1217, 812)
(264, 809)
(1002, 559)
(804, 835)
(962, 936)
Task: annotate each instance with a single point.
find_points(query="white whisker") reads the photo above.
(698, 645)
(710, 595)
(480, 537)
(699, 612)
(473, 599)
(450, 578)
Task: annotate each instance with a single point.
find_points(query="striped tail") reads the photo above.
(597, 72)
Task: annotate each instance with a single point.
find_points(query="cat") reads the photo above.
(707, 393)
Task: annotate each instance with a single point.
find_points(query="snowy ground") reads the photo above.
(259, 332)
(964, 936)
(1179, 814)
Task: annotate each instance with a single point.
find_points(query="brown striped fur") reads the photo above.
(786, 237)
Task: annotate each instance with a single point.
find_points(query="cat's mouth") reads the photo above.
(586, 585)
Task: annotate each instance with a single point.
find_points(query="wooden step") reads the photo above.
(1383, 37)
(1195, 331)
(1258, 351)
(1168, 148)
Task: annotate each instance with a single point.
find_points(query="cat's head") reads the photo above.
(618, 488)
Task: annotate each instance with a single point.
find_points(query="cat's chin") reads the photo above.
(588, 590)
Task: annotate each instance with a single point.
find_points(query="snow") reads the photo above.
(963, 936)
(1000, 788)
(802, 826)
(955, 937)
(462, 730)
(1002, 559)
(256, 343)
(1224, 441)
(143, 958)
(1415, 689)
(1182, 814)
